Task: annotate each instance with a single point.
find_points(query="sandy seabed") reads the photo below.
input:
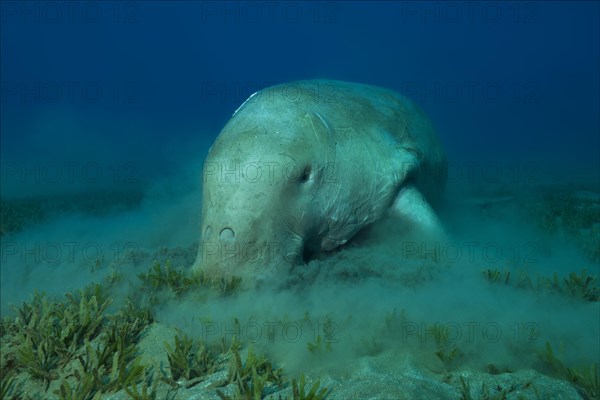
(506, 309)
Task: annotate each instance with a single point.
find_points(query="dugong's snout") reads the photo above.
(239, 249)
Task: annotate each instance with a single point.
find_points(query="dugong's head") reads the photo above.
(262, 180)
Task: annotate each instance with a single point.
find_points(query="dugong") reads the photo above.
(302, 167)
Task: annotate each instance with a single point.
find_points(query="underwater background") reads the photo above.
(108, 110)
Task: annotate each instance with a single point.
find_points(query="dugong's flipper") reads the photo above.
(411, 207)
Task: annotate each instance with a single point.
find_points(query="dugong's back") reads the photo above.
(353, 113)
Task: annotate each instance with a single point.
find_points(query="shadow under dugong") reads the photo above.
(301, 167)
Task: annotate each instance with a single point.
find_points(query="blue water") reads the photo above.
(511, 82)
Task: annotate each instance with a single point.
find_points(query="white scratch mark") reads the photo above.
(238, 109)
(324, 123)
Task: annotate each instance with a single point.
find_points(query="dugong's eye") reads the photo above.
(305, 175)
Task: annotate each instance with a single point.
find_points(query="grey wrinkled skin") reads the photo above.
(301, 167)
